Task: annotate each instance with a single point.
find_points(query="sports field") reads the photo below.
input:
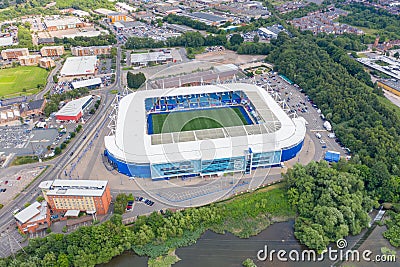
(181, 121)
(21, 80)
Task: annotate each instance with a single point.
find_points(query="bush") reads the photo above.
(57, 151)
(135, 80)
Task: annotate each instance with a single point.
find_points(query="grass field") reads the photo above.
(21, 80)
(197, 120)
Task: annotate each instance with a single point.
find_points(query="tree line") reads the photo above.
(107, 39)
(152, 235)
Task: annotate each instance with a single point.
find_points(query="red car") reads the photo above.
(19, 178)
(6, 182)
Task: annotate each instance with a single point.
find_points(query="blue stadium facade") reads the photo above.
(250, 157)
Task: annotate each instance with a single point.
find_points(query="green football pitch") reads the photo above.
(21, 80)
(197, 120)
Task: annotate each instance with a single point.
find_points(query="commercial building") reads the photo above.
(269, 137)
(91, 50)
(90, 83)
(30, 60)
(391, 85)
(62, 23)
(144, 59)
(124, 7)
(78, 67)
(34, 218)
(116, 16)
(14, 53)
(90, 196)
(46, 63)
(34, 107)
(52, 51)
(74, 109)
(208, 18)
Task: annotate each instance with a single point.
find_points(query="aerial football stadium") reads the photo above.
(201, 131)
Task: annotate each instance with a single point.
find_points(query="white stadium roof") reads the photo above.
(75, 66)
(131, 142)
(72, 108)
(86, 83)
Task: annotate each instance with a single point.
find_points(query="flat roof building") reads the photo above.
(391, 85)
(143, 59)
(91, 50)
(75, 67)
(90, 196)
(74, 109)
(52, 51)
(46, 63)
(116, 16)
(14, 53)
(34, 218)
(90, 83)
(6, 41)
(30, 60)
(62, 23)
(208, 18)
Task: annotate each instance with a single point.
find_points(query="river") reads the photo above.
(228, 250)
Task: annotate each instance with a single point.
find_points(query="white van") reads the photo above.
(318, 135)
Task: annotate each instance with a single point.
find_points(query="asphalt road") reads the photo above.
(50, 81)
(56, 165)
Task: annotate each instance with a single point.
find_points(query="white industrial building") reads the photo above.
(144, 59)
(77, 67)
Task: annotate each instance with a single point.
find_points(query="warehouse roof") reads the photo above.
(149, 57)
(86, 83)
(35, 104)
(75, 66)
(54, 22)
(6, 41)
(207, 16)
(72, 108)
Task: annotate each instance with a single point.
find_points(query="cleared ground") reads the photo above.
(21, 80)
(197, 120)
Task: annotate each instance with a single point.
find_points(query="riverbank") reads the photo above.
(157, 234)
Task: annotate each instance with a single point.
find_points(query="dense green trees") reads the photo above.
(135, 80)
(188, 39)
(175, 19)
(236, 39)
(386, 24)
(360, 119)
(393, 232)
(153, 235)
(87, 41)
(331, 204)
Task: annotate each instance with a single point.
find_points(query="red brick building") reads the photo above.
(90, 196)
(34, 218)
